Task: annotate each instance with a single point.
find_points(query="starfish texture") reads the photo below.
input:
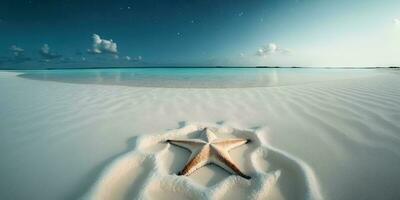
(210, 151)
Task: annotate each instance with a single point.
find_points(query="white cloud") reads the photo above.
(47, 54)
(270, 49)
(102, 46)
(16, 49)
(18, 54)
(396, 22)
(133, 59)
(45, 49)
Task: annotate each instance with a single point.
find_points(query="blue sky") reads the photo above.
(199, 33)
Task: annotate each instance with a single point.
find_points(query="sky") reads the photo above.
(309, 33)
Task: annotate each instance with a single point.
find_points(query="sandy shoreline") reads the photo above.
(64, 135)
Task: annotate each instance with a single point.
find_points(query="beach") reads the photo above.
(337, 138)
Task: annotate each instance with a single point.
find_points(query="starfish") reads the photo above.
(211, 151)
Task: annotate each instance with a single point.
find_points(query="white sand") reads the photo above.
(62, 140)
(272, 172)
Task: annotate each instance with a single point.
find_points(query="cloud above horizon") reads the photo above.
(16, 48)
(396, 21)
(18, 55)
(47, 54)
(100, 45)
(270, 49)
(17, 51)
(134, 59)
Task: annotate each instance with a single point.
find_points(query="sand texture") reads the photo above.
(338, 139)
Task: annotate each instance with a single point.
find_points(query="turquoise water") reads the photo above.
(196, 77)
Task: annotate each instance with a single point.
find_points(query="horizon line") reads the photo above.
(171, 67)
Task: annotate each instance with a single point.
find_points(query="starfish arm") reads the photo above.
(223, 160)
(229, 144)
(197, 161)
(210, 135)
(188, 144)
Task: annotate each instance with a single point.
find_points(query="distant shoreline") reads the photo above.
(205, 67)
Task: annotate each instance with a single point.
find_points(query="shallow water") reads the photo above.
(196, 77)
